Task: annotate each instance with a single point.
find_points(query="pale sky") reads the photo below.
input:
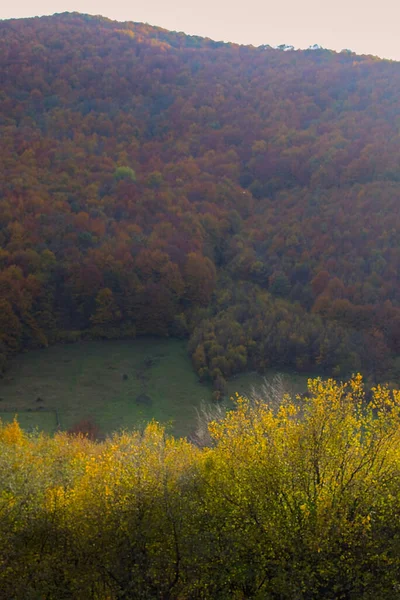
(364, 26)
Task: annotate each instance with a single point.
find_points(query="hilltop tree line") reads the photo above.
(293, 499)
(158, 183)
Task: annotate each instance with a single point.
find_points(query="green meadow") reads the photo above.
(116, 384)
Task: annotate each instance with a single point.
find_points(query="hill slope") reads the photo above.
(160, 183)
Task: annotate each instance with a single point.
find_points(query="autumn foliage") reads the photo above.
(293, 499)
(158, 183)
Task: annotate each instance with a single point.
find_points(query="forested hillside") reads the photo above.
(157, 183)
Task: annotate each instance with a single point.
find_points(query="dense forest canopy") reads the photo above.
(159, 183)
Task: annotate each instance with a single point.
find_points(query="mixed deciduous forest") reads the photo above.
(157, 183)
(245, 200)
(293, 500)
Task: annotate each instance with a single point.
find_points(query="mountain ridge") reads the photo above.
(160, 29)
(167, 184)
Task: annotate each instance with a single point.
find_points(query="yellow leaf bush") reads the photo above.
(299, 500)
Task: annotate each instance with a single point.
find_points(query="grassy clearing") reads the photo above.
(45, 420)
(118, 384)
(293, 383)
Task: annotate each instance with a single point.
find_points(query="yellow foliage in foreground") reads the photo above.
(295, 500)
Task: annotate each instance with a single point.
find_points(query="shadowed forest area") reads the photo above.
(245, 199)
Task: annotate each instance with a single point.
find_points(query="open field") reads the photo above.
(117, 384)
